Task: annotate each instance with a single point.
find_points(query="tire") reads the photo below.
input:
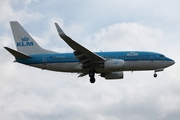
(155, 75)
(92, 80)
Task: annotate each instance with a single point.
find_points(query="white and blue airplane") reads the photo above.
(109, 65)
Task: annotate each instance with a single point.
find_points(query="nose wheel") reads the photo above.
(91, 75)
(157, 70)
(155, 75)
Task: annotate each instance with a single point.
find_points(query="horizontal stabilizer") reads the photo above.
(17, 54)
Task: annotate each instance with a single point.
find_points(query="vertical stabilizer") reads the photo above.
(24, 42)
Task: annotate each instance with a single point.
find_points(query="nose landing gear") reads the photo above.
(157, 70)
(155, 75)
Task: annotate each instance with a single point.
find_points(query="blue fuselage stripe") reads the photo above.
(70, 58)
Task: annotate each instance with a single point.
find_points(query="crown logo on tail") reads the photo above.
(24, 39)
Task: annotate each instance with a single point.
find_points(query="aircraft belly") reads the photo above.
(62, 67)
(128, 66)
(142, 65)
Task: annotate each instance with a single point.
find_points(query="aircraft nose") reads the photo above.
(171, 62)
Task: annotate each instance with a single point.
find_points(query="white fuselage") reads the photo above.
(128, 66)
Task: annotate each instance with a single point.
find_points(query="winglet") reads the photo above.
(61, 33)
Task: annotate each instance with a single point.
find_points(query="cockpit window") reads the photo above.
(162, 56)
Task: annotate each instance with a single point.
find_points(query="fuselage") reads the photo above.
(67, 62)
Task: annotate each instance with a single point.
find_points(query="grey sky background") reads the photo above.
(28, 93)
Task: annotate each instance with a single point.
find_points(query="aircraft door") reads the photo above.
(44, 60)
(152, 57)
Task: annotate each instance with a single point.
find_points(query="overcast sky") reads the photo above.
(28, 93)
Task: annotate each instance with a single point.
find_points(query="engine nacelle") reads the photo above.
(114, 64)
(112, 75)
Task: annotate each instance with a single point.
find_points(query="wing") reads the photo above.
(86, 57)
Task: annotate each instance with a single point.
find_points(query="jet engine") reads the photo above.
(114, 64)
(112, 75)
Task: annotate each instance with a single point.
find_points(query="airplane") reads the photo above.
(110, 65)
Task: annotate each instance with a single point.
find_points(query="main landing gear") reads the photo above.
(91, 75)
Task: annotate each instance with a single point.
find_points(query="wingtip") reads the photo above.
(59, 29)
(57, 26)
(55, 23)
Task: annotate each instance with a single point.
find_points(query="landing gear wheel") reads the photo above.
(155, 75)
(92, 80)
(91, 75)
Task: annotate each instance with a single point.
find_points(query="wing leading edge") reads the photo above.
(86, 57)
